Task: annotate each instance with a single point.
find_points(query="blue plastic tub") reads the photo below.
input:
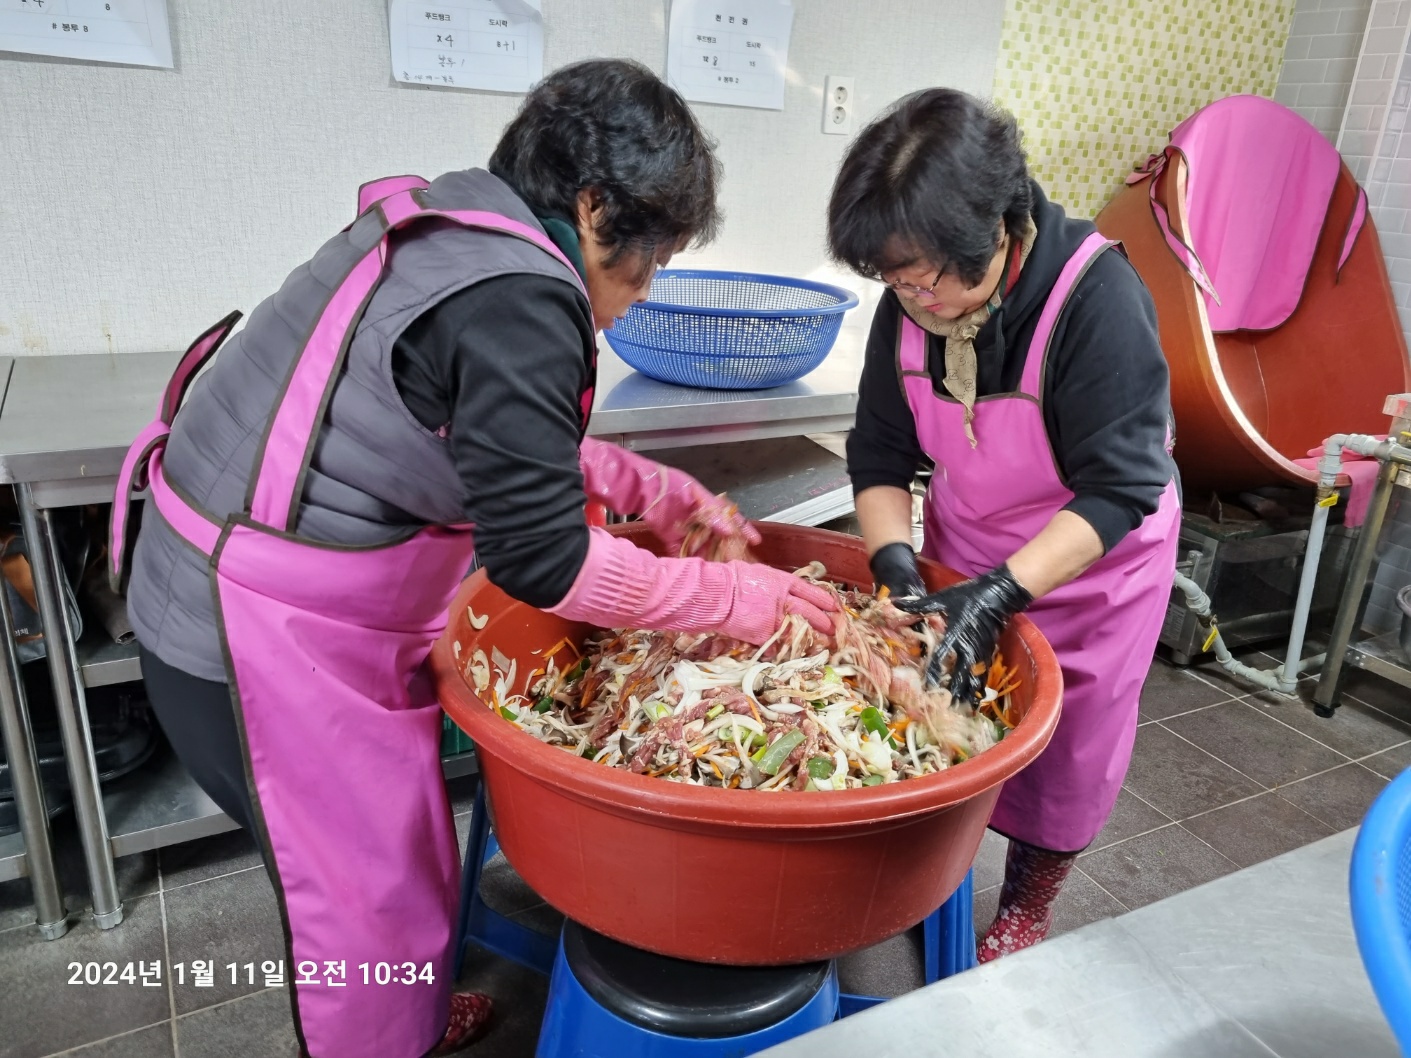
(730, 330)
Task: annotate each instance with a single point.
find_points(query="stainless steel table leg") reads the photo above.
(1355, 593)
(72, 709)
(49, 911)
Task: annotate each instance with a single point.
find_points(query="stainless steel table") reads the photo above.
(64, 430)
(27, 852)
(1259, 964)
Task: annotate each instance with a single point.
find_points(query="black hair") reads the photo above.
(613, 127)
(931, 179)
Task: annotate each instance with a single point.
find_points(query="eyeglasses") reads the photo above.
(914, 291)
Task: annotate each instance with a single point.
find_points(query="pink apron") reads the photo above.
(324, 646)
(983, 505)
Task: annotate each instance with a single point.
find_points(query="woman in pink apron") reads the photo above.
(1016, 352)
(412, 399)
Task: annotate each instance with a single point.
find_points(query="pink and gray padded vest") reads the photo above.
(374, 465)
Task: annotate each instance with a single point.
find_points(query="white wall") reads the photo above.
(1324, 41)
(139, 206)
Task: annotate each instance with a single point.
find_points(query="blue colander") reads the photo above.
(730, 330)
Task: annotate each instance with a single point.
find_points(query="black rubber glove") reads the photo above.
(894, 567)
(976, 611)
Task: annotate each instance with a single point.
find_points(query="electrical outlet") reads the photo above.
(838, 103)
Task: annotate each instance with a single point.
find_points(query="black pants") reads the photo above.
(198, 718)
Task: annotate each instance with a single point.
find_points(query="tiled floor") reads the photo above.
(1220, 779)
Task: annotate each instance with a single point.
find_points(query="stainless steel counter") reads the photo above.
(1259, 964)
(69, 419)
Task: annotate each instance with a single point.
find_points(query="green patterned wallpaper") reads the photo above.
(1097, 86)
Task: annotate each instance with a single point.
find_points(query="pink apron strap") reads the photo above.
(1153, 170)
(911, 352)
(133, 477)
(374, 191)
(1354, 228)
(287, 446)
(1073, 271)
(186, 521)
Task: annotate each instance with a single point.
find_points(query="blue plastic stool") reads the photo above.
(1381, 902)
(608, 1000)
(478, 923)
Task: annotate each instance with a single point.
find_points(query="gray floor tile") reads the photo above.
(1378, 693)
(1170, 690)
(1258, 829)
(151, 1042)
(197, 861)
(989, 861)
(227, 920)
(1244, 737)
(1130, 816)
(136, 875)
(1390, 763)
(519, 996)
(889, 969)
(462, 832)
(985, 906)
(1340, 798)
(257, 1026)
(1156, 865)
(39, 1007)
(1355, 730)
(503, 890)
(1179, 780)
(1082, 901)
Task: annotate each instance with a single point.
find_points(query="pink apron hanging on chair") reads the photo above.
(984, 504)
(324, 646)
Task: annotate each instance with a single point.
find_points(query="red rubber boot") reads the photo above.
(1032, 879)
(470, 1013)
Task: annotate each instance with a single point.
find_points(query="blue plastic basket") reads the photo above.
(730, 330)
(1380, 883)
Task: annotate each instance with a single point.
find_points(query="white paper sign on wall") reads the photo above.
(494, 45)
(734, 52)
(134, 32)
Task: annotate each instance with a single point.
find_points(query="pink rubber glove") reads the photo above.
(664, 498)
(623, 586)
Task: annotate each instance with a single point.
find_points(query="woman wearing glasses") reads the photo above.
(1016, 351)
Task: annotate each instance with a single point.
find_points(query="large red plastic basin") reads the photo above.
(732, 876)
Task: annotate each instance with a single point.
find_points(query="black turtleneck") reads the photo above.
(1106, 399)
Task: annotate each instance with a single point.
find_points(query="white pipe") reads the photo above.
(1285, 679)
(1199, 602)
(1328, 469)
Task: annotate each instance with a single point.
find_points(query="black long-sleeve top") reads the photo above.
(1106, 393)
(503, 363)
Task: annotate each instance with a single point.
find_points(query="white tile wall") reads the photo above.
(1320, 60)
(1347, 69)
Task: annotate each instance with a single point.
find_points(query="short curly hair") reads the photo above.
(614, 127)
(931, 179)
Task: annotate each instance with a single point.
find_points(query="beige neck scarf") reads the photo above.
(962, 365)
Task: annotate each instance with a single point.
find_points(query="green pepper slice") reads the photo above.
(508, 713)
(543, 705)
(872, 780)
(773, 758)
(820, 768)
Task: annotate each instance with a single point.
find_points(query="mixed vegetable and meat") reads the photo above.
(804, 711)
